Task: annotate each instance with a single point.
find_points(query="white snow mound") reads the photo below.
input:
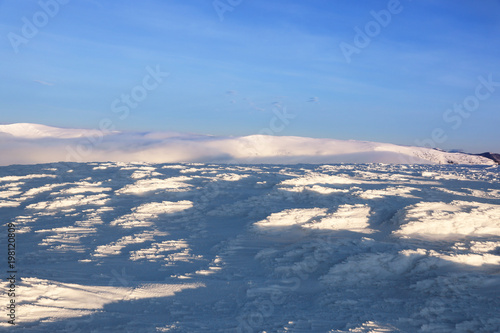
(439, 220)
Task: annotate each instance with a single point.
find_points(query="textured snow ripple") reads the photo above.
(71, 202)
(347, 217)
(142, 186)
(146, 214)
(114, 248)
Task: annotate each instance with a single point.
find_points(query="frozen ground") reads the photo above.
(124, 247)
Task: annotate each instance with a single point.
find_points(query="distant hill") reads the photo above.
(491, 156)
(37, 131)
(32, 143)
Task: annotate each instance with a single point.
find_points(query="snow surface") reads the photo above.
(140, 247)
(33, 143)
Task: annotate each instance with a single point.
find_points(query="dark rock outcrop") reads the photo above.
(491, 156)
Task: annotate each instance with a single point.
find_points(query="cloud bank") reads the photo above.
(33, 143)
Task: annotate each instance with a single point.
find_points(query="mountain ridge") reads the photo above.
(492, 156)
(26, 143)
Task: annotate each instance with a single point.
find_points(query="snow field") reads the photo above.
(139, 247)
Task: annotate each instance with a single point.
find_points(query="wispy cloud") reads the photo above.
(43, 83)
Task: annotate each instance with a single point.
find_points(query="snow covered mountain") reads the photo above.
(32, 143)
(492, 156)
(139, 247)
(37, 131)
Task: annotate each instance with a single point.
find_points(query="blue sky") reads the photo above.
(230, 74)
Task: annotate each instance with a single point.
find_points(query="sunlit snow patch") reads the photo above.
(18, 178)
(174, 184)
(85, 187)
(314, 189)
(146, 214)
(9, 203)
(439, 220)
(67, 239)
(52, 301)
(471, 259)
(319, 178)
(71, 202)
(371, 267)
(369, 327)
(114, 248)
(348, 217)
(398, 191)
(289, 217)
(169, 251)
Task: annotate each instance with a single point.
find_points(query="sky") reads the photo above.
(406, 72)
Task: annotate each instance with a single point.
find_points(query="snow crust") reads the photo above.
(195, 247)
